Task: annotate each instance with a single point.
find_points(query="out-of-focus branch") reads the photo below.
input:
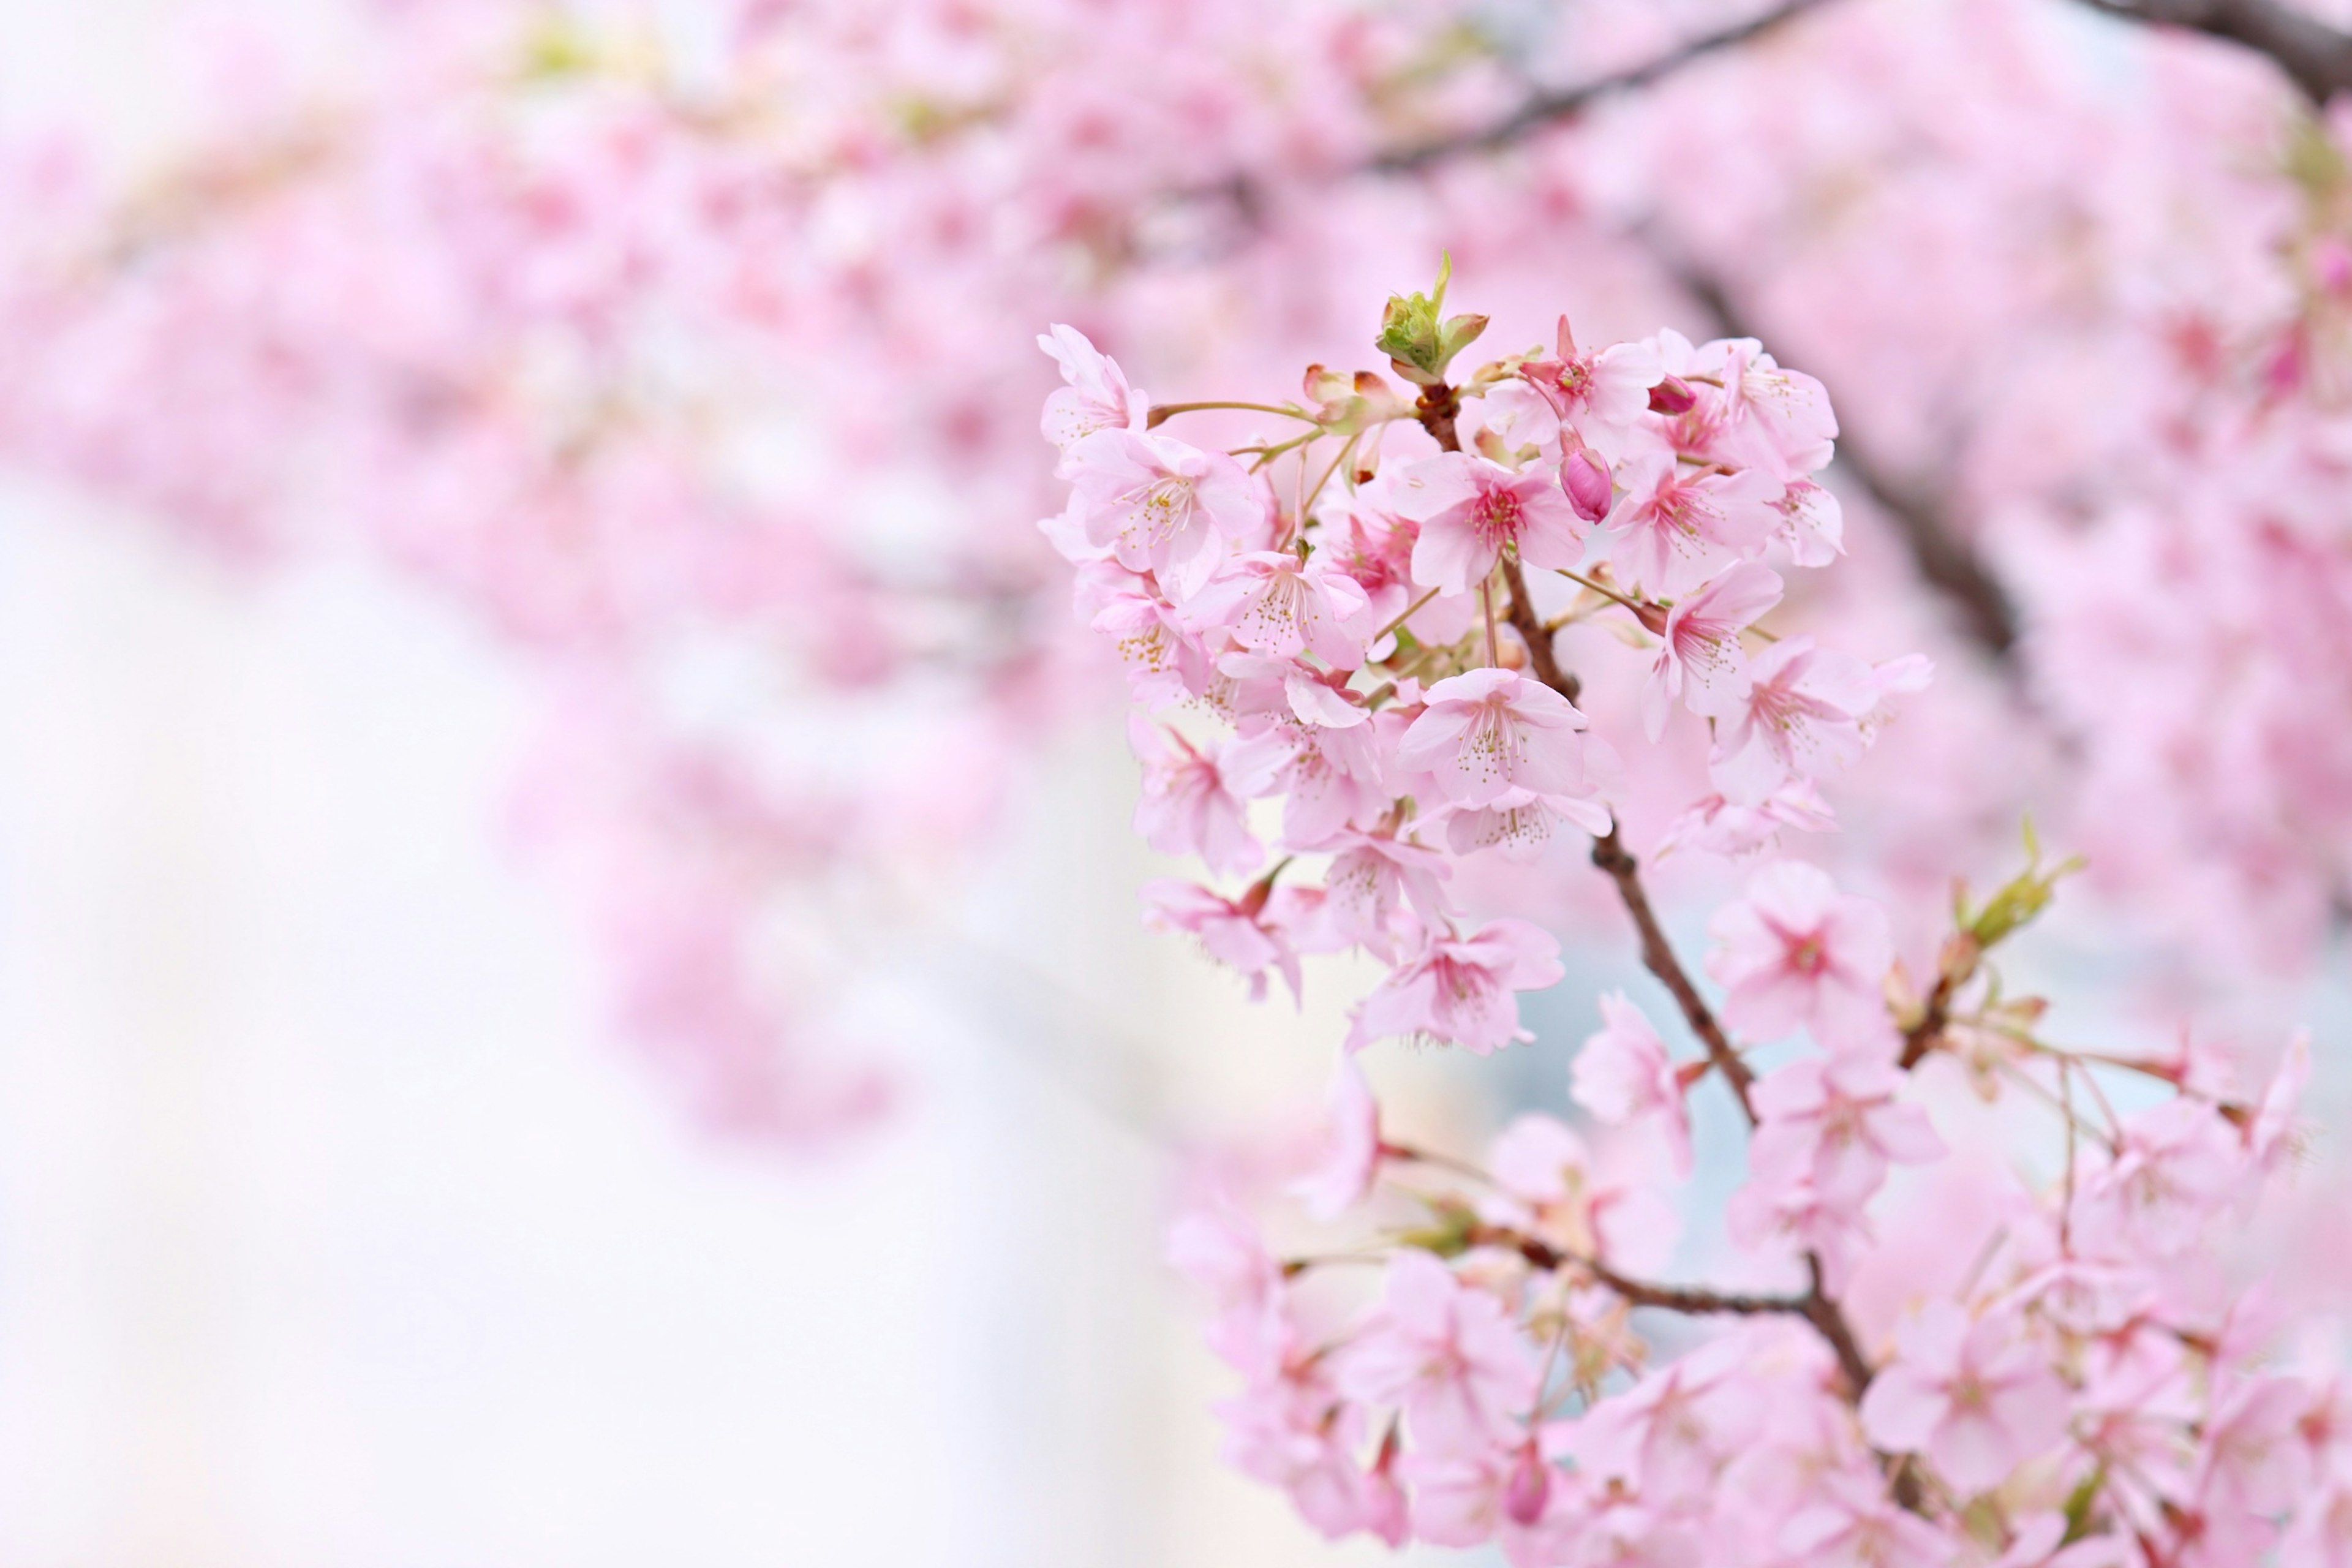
(1939, 550)
(1545, 108)
(2316, 56)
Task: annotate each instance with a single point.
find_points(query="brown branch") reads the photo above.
(1609, 853)
(1939, 552)
(1437, 411)
(1548, 108)
(1641, 1293)
(1536, 635)
(2316, 58)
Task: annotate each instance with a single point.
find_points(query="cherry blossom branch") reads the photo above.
(1547, 109)
(1536, 635)
(2316, 58)
(1437, 409)
(1815, 1306)
(1609, 853)
(1691, 1299)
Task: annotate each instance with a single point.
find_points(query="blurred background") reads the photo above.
(345, 1218)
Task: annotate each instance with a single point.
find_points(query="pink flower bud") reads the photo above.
(1673, 396)
(1529, 1487)
(1585, 478)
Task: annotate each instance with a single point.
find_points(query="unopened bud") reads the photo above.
(1673, 396)
(1529, 1487)
(1585, 478)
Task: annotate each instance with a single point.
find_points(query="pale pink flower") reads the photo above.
(1550, 1184)
(1979, 1398)
(1622, 1075)
(1779, 418)
(1195, 801)
(1291, 1430)
(1460, 990)
(1097, 396)
(1715, 826)
(1602, 396)
(1489, 730)
(1812, 523)
(1669, 1436)
(1371, 877)
(1161, 506)
(1519, 822)
(1672, 531)
(1856, 1526)
(1699, 657)
(1449, 1354)
(1220, 1250)
(1470, 509)
(1802, 715)
(1282, 607)
(1261, 929)
(1796, 951)
(1833, 1124)
(2255, 1458)
(1351, 1147)
(2177, 1166)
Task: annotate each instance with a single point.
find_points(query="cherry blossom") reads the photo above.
(1097, 396)
(1161, 506)
(1469, 510)
(1448, 1354)
(1460, 990)
(1975, 1397)
(1699, 657)
(1670, 532)
(1801, 716)
(1195, 801)
(1797, 952)
(1623, 1075)
(1488, 731)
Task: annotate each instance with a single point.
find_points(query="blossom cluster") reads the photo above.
(1346, 644)
(683, 371)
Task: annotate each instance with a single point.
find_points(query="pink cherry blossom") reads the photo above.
(1699, 656)
(1448, 1353)
(1373, 878)
(1669, 1436)
(1097, 396)
(1977, 1398)
(1671, 531)
(1801, 716)
(1715, 826)
(1261, 929)
(1351, 1152)
(1195, 800)
(1796, 951)
(1833, 1125)
(1161, 506)
(1599, 395)
(1491, 731)
(1851, 1528)
(1552, 1186)
(1470, 509)
(1460, 990)
(1622, 1075)
(1282, 607)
